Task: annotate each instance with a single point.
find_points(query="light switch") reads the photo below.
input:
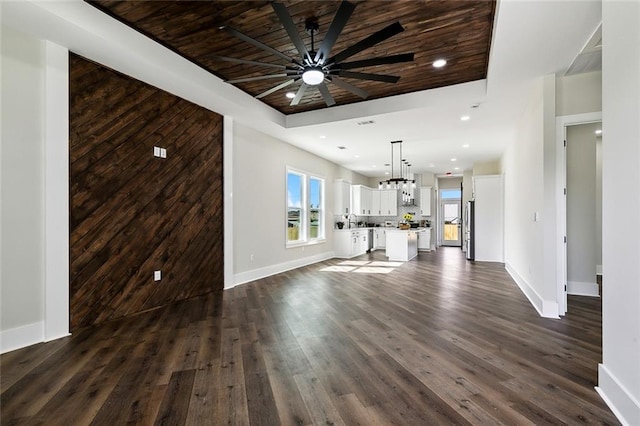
(163, 153)
(536, 216)
(156, 151)
(157, 275)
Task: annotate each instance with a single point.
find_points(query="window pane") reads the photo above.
(294, 207)
(315, 208)
(451, 194)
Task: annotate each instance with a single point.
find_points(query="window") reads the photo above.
(316, 190)
(295, 201)
(305, 208)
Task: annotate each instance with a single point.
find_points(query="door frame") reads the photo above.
(441, 221)
(562, 123)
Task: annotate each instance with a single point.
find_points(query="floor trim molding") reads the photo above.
(578, 288)
(256, 274)
(623, 405)
(545, 308)
(20, 337)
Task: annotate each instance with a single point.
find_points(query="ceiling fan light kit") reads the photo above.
(317, 68)
(313, 76)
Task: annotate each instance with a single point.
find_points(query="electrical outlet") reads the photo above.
(157, 151)
(251, 257)
(157, 275)
(163, 153)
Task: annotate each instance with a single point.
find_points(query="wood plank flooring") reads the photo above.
(435, 341)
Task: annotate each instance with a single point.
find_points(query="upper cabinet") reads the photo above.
(425, 201)
(373, 202)
(388, 202)
(361, 198)
(341, 197)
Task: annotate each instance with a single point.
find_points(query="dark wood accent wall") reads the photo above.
(132, 213)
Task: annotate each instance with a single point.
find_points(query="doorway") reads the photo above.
(578, 212)
(451, 217)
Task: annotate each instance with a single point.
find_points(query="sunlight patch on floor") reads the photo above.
(337, 268)
(373, 270)
(363, 266)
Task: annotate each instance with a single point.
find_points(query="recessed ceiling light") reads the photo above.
(453, 159)
(356, 156)
(456, 168)
(465, 118)
(373, 165)
(290, 95)
(439, 63)
(598, 132)
(386, 173)
(466, 145)
(323, 137)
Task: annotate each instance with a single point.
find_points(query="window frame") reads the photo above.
(305, 210)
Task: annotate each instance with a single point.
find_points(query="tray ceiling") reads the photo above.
(458, 31)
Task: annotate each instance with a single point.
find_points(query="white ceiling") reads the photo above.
(531, 39)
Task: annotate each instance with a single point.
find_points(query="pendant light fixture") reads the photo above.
(404, 179)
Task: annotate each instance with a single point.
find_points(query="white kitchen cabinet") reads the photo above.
(361, 197)
(341, 197)
(424, 239)
(379, 236)
(425, 201)
(375, 203)
(350, 242)
(363, 238)
(388, 202)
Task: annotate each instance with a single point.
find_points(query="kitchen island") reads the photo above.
(402, 245)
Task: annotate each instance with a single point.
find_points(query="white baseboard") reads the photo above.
(599, 270)
(256, 274)
(545, 308)
(578, 288)
(621, 402)
(20, 337)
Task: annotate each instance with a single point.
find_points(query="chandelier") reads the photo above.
(404, 180)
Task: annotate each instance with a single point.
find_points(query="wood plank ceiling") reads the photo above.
(458, 31)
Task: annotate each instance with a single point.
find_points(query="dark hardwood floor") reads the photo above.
(435, 341)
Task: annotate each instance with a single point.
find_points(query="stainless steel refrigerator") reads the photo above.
(469, 232)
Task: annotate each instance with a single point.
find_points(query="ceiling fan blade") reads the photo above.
(296, 100)
(287, 23)
(260, 77)
(394, 59)
(373, 39)
(366, 76)
(349, 87)
(276, 88)
(339, 21)
(258, 44)
(244, 61)
(324, 91)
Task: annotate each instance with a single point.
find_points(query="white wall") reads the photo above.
(619, 373)
(523, 172)
(582, 227)
(259, 171)
(579, 93)
(22, 183)
(487, 168)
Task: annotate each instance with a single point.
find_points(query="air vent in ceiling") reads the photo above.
(342, 147)
(590, 57)
(364, 123)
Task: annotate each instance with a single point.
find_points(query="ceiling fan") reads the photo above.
(316, 68)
